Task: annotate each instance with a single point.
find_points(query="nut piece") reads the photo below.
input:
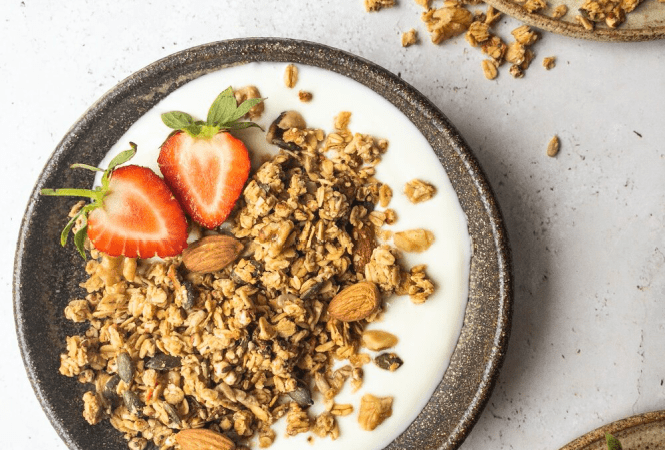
(211, 253)
(305, 96)
(413, 240)
(553, 147)
(373, 411)
(356, 302)
(364, 243)
(290, 76)
(409, 38)
(419, 191)
(378, 340)
(203, 439)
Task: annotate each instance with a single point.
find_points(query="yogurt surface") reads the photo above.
(428, 332)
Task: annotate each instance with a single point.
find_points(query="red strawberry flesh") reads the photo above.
(206, 175)
(139, 217)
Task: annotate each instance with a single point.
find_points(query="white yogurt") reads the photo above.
(427, 333)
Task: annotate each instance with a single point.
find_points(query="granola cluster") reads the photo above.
(235, 350)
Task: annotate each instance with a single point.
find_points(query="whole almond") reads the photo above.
(203, 439)
(211, 253)
(356, 302)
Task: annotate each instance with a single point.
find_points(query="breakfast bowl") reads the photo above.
(451, 346)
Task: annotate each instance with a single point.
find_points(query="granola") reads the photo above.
(238, 348)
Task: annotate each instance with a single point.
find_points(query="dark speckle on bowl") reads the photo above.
(42, 289)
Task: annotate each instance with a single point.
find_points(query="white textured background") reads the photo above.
(587, 228)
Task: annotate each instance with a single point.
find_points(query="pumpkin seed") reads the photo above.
(163, 362)
(125, 367)
(132, 403)
(172, 413)
(109, 390)
(301, 395)
(388, 361)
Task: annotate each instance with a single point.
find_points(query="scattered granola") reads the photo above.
(376, 5)
(549, 62)
(559, 12)
(409, 38)
(418, 191)
(553, 147)
(174, 345)
(611, 12)
(489, 68)
(449, 21)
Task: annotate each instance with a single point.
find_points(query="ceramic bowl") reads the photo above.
(42, 288)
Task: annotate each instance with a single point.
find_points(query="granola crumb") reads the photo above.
(426, 3)
(586, 23)
(553, 147)
(549, 62)
(559, 12)
(290, 76)
(418, 191)
(449, 21)
(374, 410)
(516, 71)
(376, 5)
(305, 96)
(342, 120)
(409, 38)
(533, 6)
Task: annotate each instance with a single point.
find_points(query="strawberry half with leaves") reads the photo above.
(206, 167)
(133, 213)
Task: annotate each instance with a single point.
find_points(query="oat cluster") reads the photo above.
(235, 350)
(611, 12)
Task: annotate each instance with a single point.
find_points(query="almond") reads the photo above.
(356, 302)
(203, 439)
(378, 339)
(211, 253)
(364, 243)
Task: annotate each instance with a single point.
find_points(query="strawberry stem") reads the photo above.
(96, 195)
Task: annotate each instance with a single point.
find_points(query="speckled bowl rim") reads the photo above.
(575, 30)
(615, 429)
(40, 293)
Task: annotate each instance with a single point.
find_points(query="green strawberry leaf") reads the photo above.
(612, 442)
(244, 108)
(68, 228)
(223, 114)
(177, 119)
(120, 158)
(79, 239)
(240, 125)
(223, 108)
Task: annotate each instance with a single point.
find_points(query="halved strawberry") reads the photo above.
(206, 167)
(133, 213)
(206, 175)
